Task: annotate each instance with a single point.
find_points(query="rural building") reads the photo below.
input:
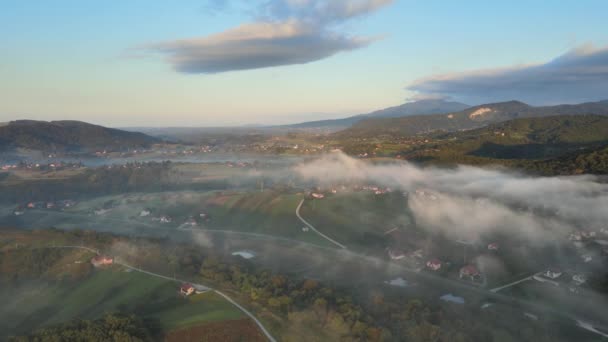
(587, 257)
(144, 213)
(493, 246)
(102, 260)
(165, 219)
(399, 282)
(553, 273)
(434, 264)
(186, 289)
(395, 254)
(469, 271)
(579, 279)
(317, 195)
(451, 298)
(245, 254)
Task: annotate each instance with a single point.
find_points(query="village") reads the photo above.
(468, 265)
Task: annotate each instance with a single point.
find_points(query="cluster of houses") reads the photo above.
(555, 276)
(50, 205)
(190, 222)
(55, 166)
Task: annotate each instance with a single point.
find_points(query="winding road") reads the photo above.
(314, 229)
(200, 286)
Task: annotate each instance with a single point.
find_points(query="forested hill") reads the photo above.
(563, 144)
(68, 136)
(474, 117)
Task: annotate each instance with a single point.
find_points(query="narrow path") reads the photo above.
(245, 311)
(496, 289)
(314, 229)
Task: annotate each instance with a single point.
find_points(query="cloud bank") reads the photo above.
(287, 32)
(579, 75)
(467, 202)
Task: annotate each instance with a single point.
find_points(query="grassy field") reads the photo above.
(357, 219)
(271, 213)
(38, 304)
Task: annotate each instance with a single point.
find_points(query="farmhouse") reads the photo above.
(144, 213)
(434, 264)
(493, 246)
(579, 279)
(469, 271)
(102, 260)
(186, 289)
(317, 195)
(552, 273)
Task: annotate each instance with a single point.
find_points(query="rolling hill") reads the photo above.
(562, 144)
(474, 117)
(422, 107)
(68, 136)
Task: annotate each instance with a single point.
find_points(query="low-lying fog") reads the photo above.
(468, 201)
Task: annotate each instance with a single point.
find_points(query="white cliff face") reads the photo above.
(480, 113)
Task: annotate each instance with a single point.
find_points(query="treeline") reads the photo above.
(296, 305)
(111, 327)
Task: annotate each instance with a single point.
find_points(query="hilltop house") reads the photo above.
(317, 195)
(434, 264)
(102, 260)
(493, 246)
(469, 271)
(186, 289)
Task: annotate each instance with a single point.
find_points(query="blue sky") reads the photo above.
(176, 63)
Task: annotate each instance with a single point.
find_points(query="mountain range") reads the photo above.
(473, 117)
(422, 107)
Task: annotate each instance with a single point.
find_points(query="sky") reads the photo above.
(222, 62)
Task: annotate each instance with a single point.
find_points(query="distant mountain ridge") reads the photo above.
(68, 136)
(474, 117)
(422, 107)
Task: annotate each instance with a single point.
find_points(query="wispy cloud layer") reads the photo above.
(286, 32)
(577, 76)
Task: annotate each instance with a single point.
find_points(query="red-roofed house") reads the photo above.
(493, 246)
(434, 264)
(101, 260)
(469, 271)
(186, 289)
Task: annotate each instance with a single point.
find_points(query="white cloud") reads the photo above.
(579, 75)
(287, 32)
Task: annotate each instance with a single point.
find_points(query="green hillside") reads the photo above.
(68, 136)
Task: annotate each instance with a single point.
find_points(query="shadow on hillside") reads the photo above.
(524, 151)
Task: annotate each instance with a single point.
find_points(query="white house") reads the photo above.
(553, 273)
